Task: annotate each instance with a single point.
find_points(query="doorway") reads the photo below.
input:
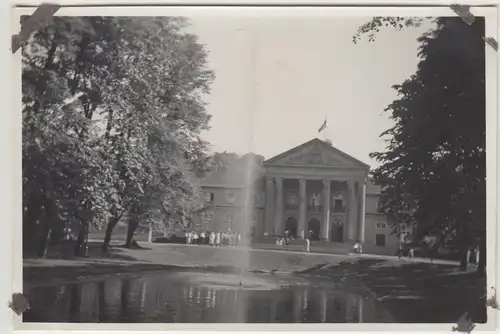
(291, 227)
(314, 227)
(337, 231)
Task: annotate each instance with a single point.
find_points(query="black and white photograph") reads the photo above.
(254, 165)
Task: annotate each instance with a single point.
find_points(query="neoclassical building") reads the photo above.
(312, 189)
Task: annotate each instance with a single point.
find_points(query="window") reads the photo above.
(381, 226)
(380, 240)
(228, 218)
(206, 219)
(209, 197)
(292, 199)
(338, 206)
(230, 196)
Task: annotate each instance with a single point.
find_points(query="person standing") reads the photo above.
(212, 239)
(218, 239)
(308, 241)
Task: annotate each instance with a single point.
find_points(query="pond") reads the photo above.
(187, 297)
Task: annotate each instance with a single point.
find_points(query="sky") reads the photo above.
(279, 78)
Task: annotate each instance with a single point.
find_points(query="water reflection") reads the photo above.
(156, 298)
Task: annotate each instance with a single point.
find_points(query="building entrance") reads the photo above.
(291, 227)
(314, 228)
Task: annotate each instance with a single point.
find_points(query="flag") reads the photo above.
(322, 126)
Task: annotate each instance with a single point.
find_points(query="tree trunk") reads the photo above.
(481, 266)
(463, 245)
(43, 244)
(47, 229)
(47, 243)
(80, 241)
(86, 242)
(133, 223)
(464, 261)
(109, 230)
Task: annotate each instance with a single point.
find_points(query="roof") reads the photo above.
(247, 169)
(329, 155)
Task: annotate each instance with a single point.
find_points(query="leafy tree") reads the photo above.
(433, 170)
(112, 111)
(221, 161)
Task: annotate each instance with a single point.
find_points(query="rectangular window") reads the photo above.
(207, 219)
(230, 196)
(209, 197)
(229, 220)
(380, 240)
(338, 206)
(292, 200)
(381, 226)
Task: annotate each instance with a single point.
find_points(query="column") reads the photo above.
(362, 206)
(278, 221)
(326, 210)
(302, 208)
(268, 225)
(351, 210)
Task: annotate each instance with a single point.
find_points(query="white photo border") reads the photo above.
(11, 144)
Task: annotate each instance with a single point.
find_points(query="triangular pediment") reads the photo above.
(316, 153)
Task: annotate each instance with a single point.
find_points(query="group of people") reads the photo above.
(217, 239)
(285, 240)
(358, 247)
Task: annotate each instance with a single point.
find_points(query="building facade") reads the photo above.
(311, 190)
